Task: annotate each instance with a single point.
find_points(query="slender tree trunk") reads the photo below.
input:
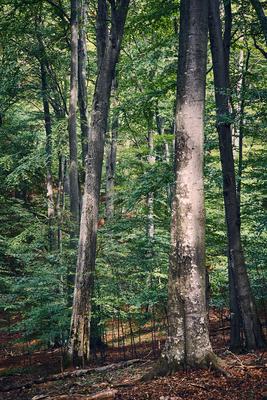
(188, 343)
(150, 196)
(48, 146)
(220, 57)
(241, 126)
(111, 158)
(257, 5)
(166, 153)
(73, 168)
(79, 348)
(82, 72)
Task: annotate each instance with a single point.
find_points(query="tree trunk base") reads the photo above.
(165, 368)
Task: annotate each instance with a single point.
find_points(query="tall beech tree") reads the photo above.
(73, 168)
(188, 343)
(240, 292)
(108, 53)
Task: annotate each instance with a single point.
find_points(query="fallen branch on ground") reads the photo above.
(104, 395)
(71, 374)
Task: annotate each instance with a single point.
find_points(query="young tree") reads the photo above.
(82, 72)
(188, 343)
(108, 54)
(73, 168)
(240, 292)
(48, 130)
(111, 156)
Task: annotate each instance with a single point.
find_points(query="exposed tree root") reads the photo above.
(164, 368)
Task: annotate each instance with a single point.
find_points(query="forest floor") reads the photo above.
(40, 375)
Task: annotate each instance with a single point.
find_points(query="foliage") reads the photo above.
(131, 271)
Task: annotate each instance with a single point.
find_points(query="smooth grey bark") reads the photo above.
(82, 77)
(79, 344)
(73, 161)
(111, 157)
(257, 5)
(188, 343)
(242, 298)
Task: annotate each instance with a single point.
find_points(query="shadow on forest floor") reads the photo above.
(18, 369)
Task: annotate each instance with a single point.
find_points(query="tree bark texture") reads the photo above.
(73, 167)
(79, 348)
(251, 324)
(188, 343)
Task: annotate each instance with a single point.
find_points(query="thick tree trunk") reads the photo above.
(82, 72)
(261, 16)
(188, 343)
(111, 158)
(79, 345)
(73, 167)
(251, 324)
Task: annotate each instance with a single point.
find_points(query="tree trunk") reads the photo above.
(241, 115)
(48, 146)
(150, 196)
(188, 343)
(79, 345)
(220, 57)
(111, 158)
(261, 16)
(166, 153)
(73, 168)
(82, 72)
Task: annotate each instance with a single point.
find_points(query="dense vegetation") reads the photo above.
(38, 251)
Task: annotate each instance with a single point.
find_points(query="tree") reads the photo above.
(82, 72)
(73, 168)
(111, 156)
(257, 5)
(240, 292)
(48, 147)
(108, 54)
(188, 343)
